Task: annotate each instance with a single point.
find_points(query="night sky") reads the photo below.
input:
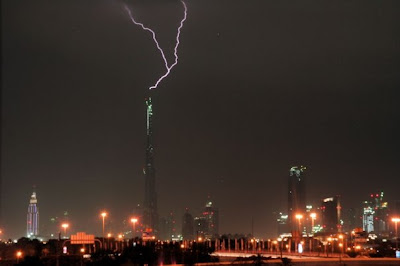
(260, 86)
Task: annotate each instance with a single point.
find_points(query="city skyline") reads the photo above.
(313, 84)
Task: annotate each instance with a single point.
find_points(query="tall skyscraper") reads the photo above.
(296, 194)
(187, 226)
(32, 219)
(376, 214)
(330, 215)
(150, 213)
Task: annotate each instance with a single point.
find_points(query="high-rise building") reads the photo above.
(331, 214)
(150, 213)
(188, 226)
(282, 220)
(296, 194)
(351, 220)
(207, 224)
(368, 218)
(32, 219)
(376, 214)
(212, 216)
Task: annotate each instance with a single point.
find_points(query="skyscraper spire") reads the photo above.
(32, 219)
(150, 214)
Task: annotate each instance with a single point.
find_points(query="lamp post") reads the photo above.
(134, 221)
(341, 247)
(19, 255)
(298, 217)
(103, 215)
(396, 220)
(65, 226)
(280, 240)
(120, 236)
(313, 216)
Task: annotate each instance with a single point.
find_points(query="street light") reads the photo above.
(65, 226)
(313, 217)
(19, 255)
(341, 247)
(299, 217)
(396, 220)
(120, 236)
(280, 240)
(134, 221)
(103, 215)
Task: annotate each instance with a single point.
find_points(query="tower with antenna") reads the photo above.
(150, 213)
(32, 219)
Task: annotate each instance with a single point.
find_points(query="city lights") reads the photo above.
(134, 221)
(313, 216)
(396, 220)
(103, 215)
(65, 227)
(18, 255)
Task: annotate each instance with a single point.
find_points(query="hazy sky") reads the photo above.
(260, 86)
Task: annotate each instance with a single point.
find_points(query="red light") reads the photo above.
(372, 195)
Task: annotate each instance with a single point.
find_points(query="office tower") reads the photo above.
(376, 214)
(187, 226)
(164, 230)
(368, 218)
(330, 215)
(201, 226)
(150, 214)
(296, 194)
(351, 220)
(32, 220)
(282, 221)
(167, 227)
(212, 217)
(207, 224)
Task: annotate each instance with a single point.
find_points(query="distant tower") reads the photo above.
(187, 226)
(331, 214)
(32, 219)
(296, 194)
(150, 215)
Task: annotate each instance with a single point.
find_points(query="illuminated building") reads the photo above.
(282, 221)
(376, 214)
(187, 226)
(200, 226)
(368, 218)
(32, 219)
(207, 225)
(296, 194)
(150, 213)
(331, 214)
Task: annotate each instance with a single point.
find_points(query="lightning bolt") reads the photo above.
(178, 34)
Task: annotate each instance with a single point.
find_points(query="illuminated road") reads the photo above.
(244, 258)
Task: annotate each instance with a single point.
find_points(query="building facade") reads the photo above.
(376, 214)
(207, 224)
(32, 219)
(331, 215)
(187, 226)
(150, 212)
(296, 195)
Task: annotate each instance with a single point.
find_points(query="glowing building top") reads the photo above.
(32, 219)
